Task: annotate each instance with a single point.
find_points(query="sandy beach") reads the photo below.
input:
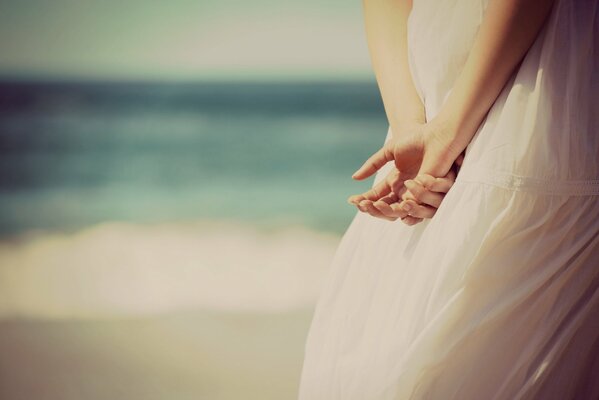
(195, 355)
(125, 311)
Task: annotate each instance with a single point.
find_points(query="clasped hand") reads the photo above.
(427, 159)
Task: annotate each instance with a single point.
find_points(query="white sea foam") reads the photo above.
(116, 269)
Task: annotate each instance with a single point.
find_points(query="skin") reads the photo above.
(386, 33)
(385, 23)
(424, 153)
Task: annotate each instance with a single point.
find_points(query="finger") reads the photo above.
(372, 210)
(375, 212)
(407, 195)
(460, 160)
(411, 220)
(386, 210)
(419, 210)
(393, 201)
(362, 207)
(374, 163)
(383, 188)
(390, 198)
(355, 199)
(373, 194)
(399, 210)
(390, 208)
(379, 190)
(438, 185)
(422, 195)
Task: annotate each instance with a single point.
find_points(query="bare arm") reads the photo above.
(506, 33)
(508, 30)
(386, 32)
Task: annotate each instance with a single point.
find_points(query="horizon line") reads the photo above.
(261, 77)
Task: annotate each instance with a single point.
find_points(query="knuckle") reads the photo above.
(418, 194)
(416, 212)
(435, 201)
(427, 181)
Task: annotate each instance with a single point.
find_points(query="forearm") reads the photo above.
(386, 33)
(508, 30)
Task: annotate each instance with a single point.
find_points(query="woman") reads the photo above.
(495, 295)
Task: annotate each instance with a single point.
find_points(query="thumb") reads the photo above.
(438, 167)
(374, 163)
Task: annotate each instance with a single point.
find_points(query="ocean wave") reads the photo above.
(123, 269)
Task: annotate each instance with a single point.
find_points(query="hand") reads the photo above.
(386, 194)
(388, 189)
(430, 149)
(424, 195)
(420, 197)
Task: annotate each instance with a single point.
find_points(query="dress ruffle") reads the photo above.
(497, 296)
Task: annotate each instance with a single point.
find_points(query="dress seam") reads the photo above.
(532, 184)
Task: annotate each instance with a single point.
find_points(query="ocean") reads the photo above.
(170, 240)
(76, 154)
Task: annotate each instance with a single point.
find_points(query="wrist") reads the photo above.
(449, 133)
(406, 125)
(456, 127)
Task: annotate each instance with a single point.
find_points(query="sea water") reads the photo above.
(76, 154)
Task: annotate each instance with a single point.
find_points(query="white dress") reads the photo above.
(497, 296)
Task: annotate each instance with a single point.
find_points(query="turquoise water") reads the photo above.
(76, 154)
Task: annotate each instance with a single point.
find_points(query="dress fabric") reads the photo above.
(496, 296)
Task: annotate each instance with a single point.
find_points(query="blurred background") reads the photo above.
(173, 184)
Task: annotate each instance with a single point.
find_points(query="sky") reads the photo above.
(183, 39)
